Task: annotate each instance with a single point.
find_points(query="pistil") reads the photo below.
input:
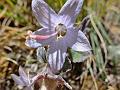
(61, 29)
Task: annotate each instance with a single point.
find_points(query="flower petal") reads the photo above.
(17, 80)
(57, 54)
(82, 44)
(22, 72)
(23, 76)
(70, 37)
(77, 40)
(32, 43)
(36, 43)
(56, 60)
(43, 13)
(69, 12)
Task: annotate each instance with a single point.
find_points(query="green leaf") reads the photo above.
(79, 56)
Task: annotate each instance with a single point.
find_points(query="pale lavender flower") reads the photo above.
(58, 32)
(23, 79)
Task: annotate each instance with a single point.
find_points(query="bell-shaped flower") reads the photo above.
(23, 79)
(58, 32)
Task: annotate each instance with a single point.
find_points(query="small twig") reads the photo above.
(85, 22)
(91, 71)
(3, 12)
(15, 28)
(83, 79)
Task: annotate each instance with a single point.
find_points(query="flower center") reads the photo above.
(61, 29)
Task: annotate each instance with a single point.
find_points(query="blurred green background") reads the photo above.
(100, 72)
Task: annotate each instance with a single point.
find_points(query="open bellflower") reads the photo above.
(58, 32)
